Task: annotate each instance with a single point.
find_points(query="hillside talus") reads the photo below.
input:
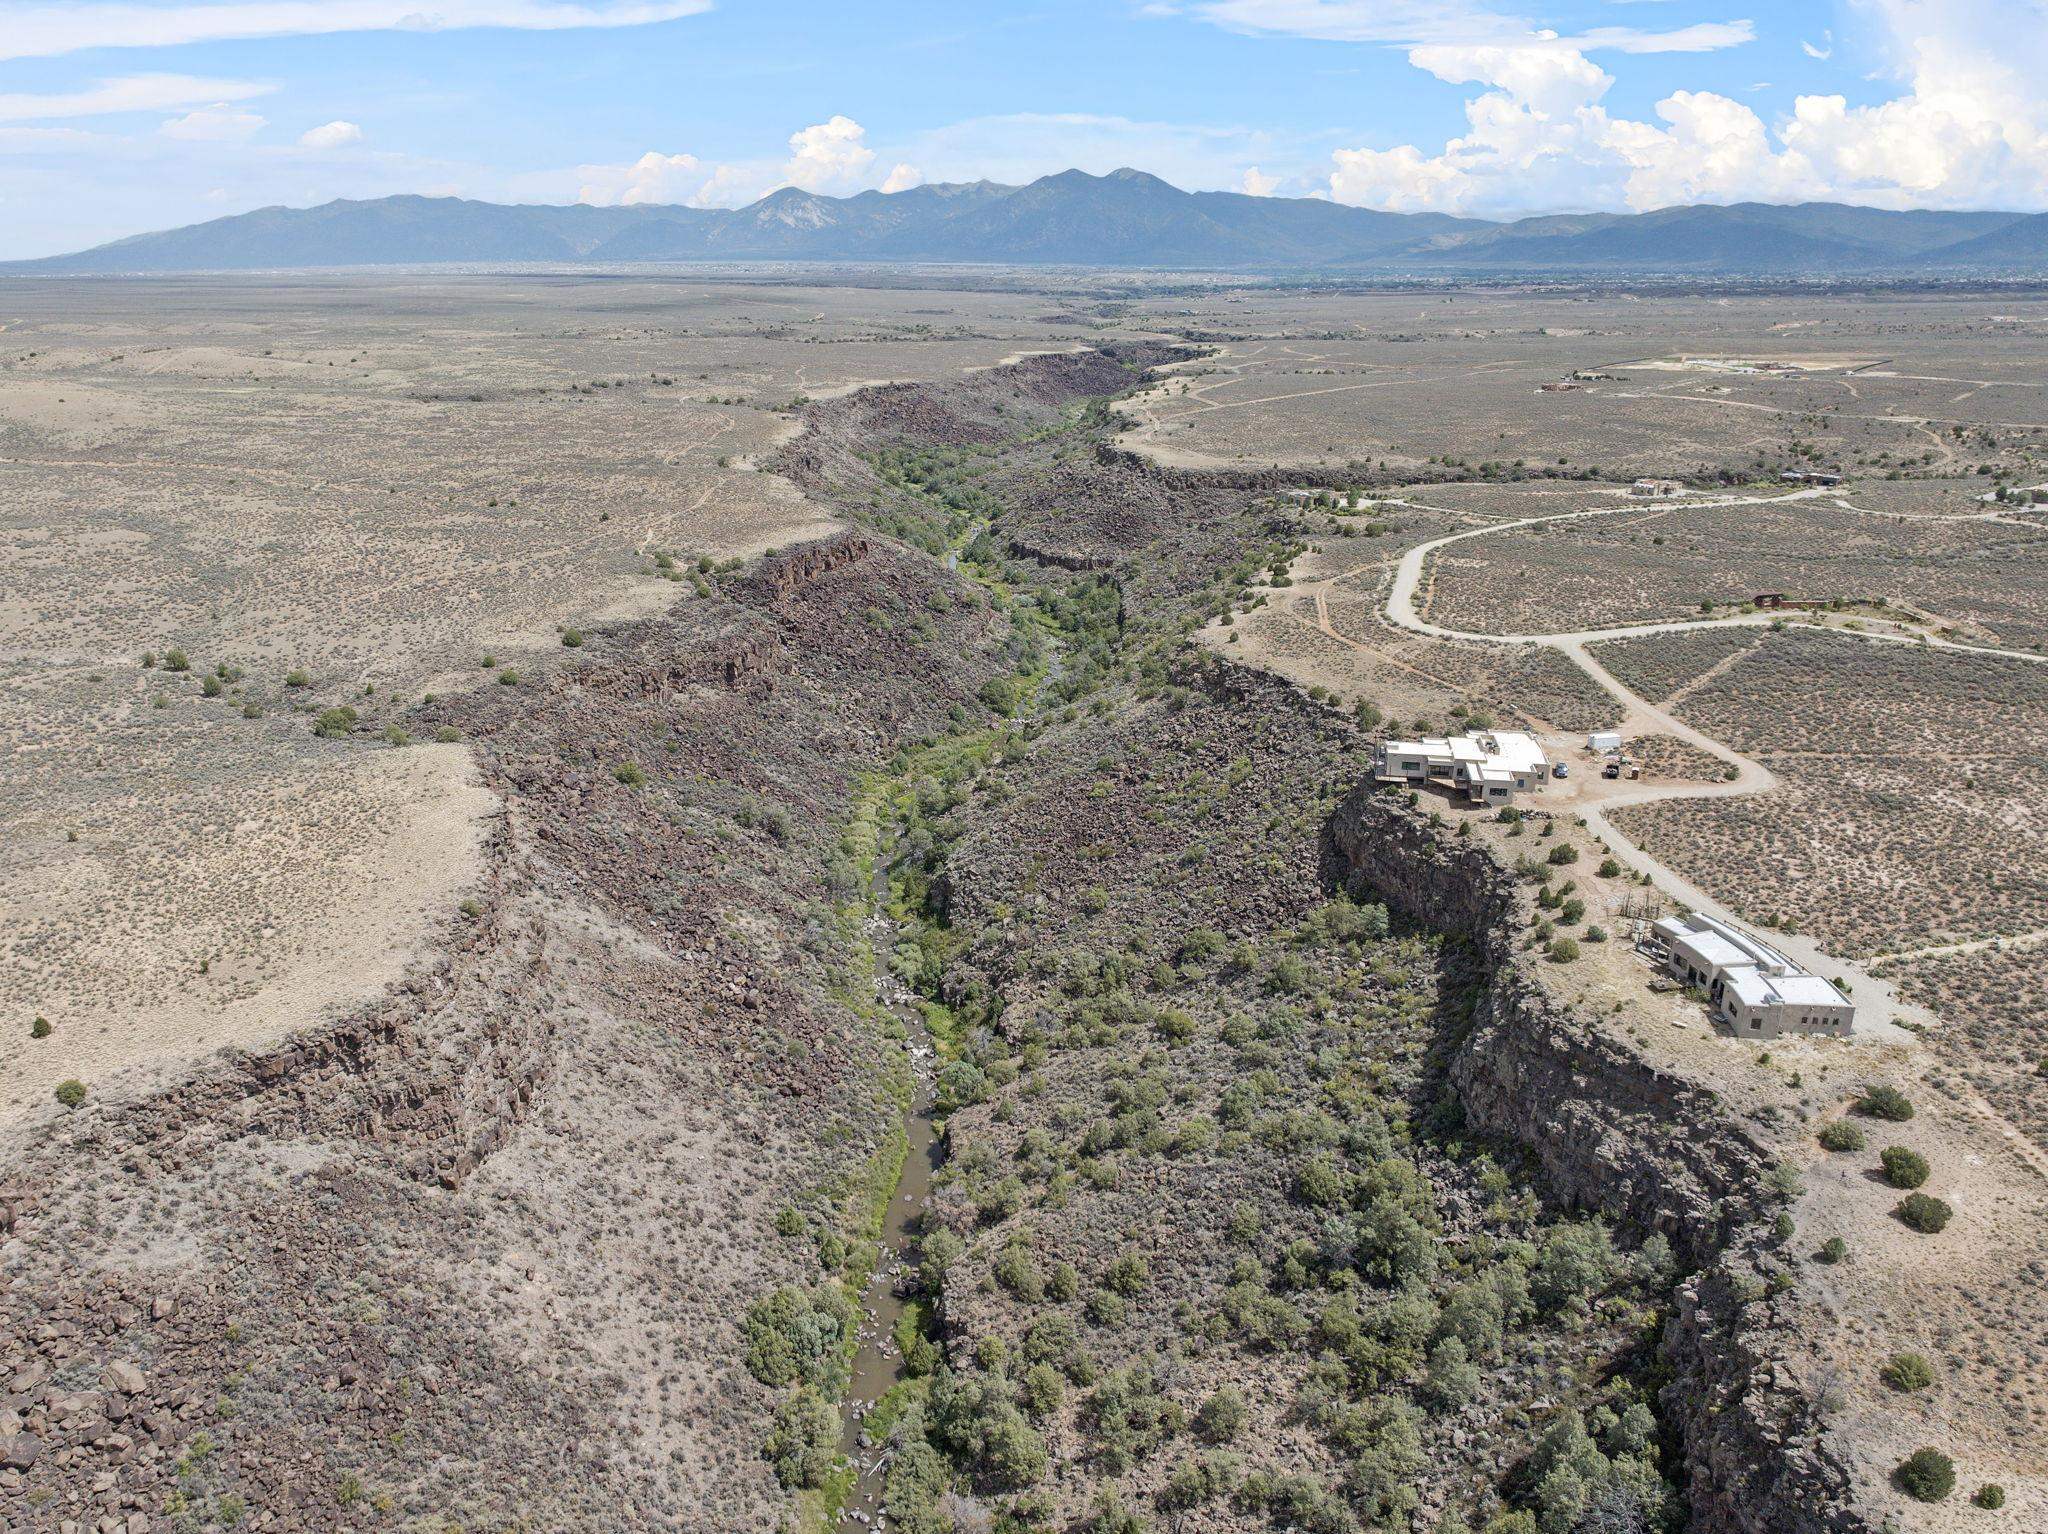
(1618, 1134)
(479, 1256)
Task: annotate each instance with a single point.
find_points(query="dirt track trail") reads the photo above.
(1881, 1012)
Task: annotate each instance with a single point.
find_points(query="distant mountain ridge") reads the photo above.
(1127, 218)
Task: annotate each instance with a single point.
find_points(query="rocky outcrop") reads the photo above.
(754, 654)
(783, 575)
(430, 1081)
(1619, 1134)
(987, 407)
(1060, 559)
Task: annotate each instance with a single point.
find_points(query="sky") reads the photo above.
(146, 114)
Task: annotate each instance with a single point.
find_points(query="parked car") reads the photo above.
(1611, 770)
(1561, 770)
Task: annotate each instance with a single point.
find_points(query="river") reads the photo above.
(878, 1362)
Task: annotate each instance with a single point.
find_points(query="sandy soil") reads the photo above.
(332, 492)
(299, 900)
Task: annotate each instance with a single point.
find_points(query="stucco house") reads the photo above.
(1757, 990)
(1488, 766)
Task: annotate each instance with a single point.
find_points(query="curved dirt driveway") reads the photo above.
(1880, 1012)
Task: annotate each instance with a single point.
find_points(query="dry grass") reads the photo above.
(1910, 807)
(1661, 562)
(376, 485)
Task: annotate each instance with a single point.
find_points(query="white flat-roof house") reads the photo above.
(1490, 766)
(1759, 991)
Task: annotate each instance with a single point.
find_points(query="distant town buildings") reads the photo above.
(1757, 990)
(1656, 489)
(1489, 766)
(1809, 477)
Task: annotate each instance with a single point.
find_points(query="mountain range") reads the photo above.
(1127, 218)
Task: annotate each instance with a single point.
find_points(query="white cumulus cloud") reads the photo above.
(902, 177)
(1256, 183)
(828, 156)
(220, 123)
(653, 178)
(1969, 129)
(331, 135)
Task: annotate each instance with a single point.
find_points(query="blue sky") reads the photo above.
(119, 117)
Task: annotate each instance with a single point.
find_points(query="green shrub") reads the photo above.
(1841, 1135)
(1561, 854)
(297, 679)
(1990, 1496)
(209, 686)
(447, 735)
(1885, 1102)
(1903, 1168)
(39, 1029)
(802, 1443)
(1041, 1390)
(1223, 1416)
(973, 1416)
(334, 723)
(1563, 950)
(1016, 1272)
(795, 1335)
(572, 637)
(176, 660)
(1002, 695)
(1576, 1261)
(509, 677)
(71, 1093)
(1453, 1379)
(1906, 1372)
(1127, 1275)
(397, 735)
(1833, 1250)
(1106, 1307)
(1923, 1213)
(630, 774)
(1928, 1475)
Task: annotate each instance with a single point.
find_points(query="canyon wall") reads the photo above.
(1618, 1134)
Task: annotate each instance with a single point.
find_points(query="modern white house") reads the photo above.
(1656, 489)
(1604, 740)
(1757, 990)
(1490, 766)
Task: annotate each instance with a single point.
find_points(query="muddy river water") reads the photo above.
(878, 1363)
